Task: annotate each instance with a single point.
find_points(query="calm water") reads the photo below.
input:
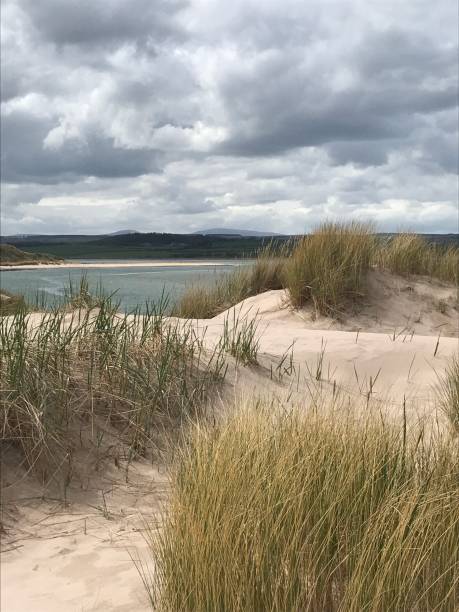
(132, 286)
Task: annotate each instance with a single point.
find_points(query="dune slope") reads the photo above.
(75, 555)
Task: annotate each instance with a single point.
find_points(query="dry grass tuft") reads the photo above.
(330, 266)
(78, 378)
(240, 337)
(448, 392)
(307, 512)
(407, 254)
(266, 273)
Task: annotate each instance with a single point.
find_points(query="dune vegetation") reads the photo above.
(330, 266)
(98, 380)
(12, 256)
(315, 510)
(327, 268)
(408, 254)
(264, 274)
(326, 504)
(448, 391)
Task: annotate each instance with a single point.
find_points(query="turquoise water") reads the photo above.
(131, 287)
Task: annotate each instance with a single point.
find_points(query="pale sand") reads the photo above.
(154, 263)
(60, 568)
(76, 556)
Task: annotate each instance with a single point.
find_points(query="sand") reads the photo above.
(404, 358)
(75, 556)
(154, 263)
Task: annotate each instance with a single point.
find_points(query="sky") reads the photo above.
(274, 115)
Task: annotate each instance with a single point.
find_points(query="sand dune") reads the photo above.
(75, 556)
(400, 351)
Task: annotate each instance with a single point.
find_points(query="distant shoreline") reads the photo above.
(125, 264)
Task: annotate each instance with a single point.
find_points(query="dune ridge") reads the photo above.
(58, 556)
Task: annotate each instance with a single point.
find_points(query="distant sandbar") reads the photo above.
(134, 264)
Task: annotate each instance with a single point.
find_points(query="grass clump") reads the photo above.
(240, 338)
(403, 254)
(80, 295)
(327, 268)
(264, 274)
(306, 512)
(330, 266)
(97, 380)
(205, 302)
(409, 254)
(448, 391)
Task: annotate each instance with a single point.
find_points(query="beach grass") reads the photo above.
(329, 267)
(309, 510)
(93, 374)
(240, 337)
(409, 254)
(448, 391)
(264, 274)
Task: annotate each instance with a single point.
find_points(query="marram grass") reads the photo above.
(330, 266)
(76, 378)
(327, 268)
(264, 274)
(240, 337)
(306, 512)
(448, 392)
(408, 254)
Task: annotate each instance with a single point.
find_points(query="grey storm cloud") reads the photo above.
(274, 107)
(82, 22)
(186, 113)
(25, 160)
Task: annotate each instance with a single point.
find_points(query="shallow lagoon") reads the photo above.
(131, 286)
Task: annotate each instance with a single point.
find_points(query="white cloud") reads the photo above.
(172, 116)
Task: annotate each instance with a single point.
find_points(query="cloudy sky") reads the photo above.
(178, 115)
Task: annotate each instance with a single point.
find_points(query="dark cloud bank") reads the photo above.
(175, 115)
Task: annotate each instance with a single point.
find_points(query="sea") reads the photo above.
(130, 287)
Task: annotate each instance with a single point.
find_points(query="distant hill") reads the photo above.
(162, 246)
(143, 246)
(12, 256)
(127, 232)
(225, 231)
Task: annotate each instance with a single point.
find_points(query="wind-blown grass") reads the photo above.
(240, 337)
(306, 512)
(81, 295)
(409, 254)
(329, 267)
(90, 374)
(264, 274)
(448, 391)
